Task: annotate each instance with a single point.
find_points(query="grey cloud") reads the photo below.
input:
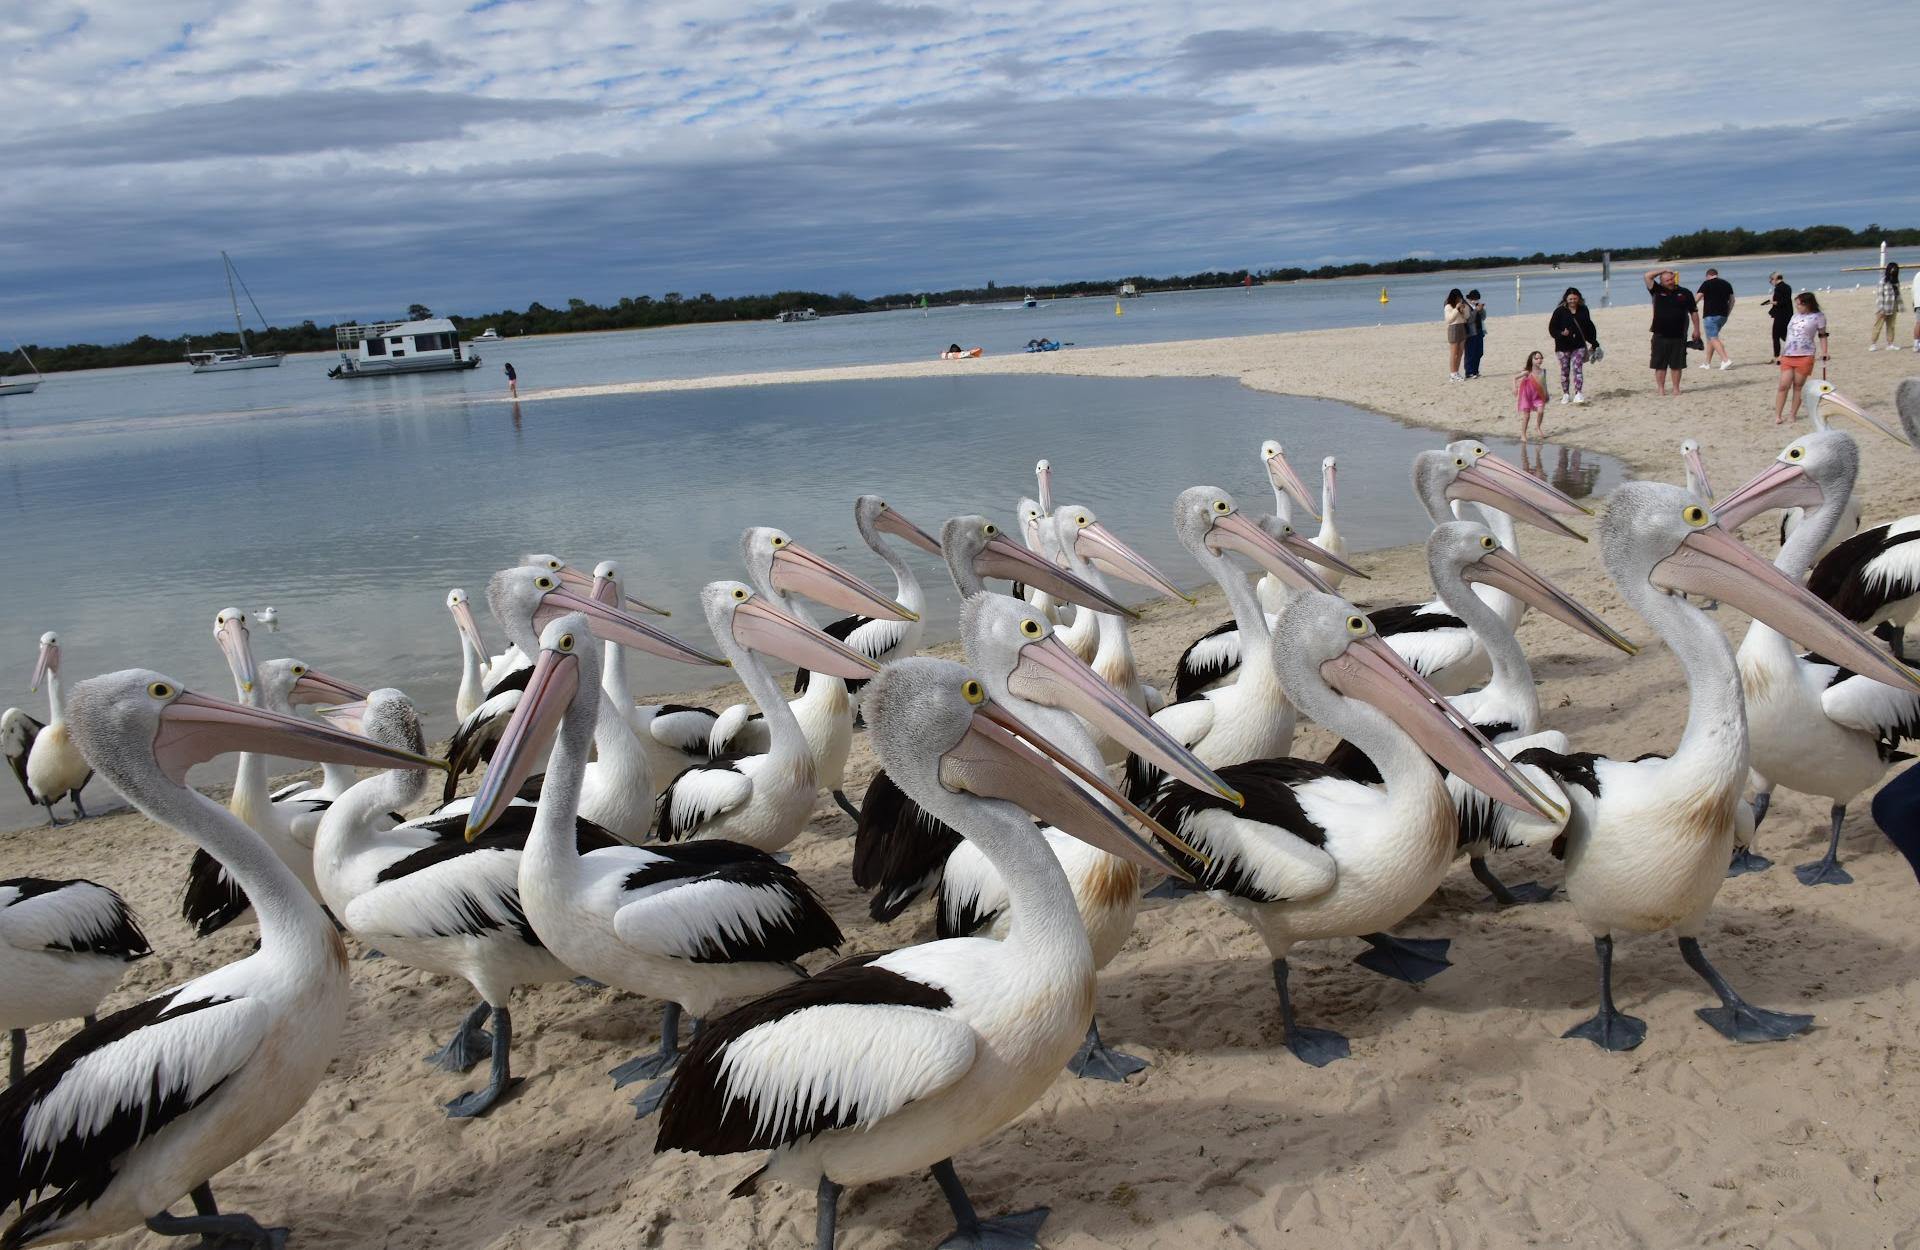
(425, 57)
(1212, 53)
(880, 18)
(281, 125)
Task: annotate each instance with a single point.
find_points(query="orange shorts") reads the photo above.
(1793, 364)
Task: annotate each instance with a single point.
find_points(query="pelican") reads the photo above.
(782, 569)
(1037, 678)
(64, 945)
(1460, 555)
(1819, 395)
(44, 760)
(1329, 539)
(878, 638)
(1313, 855)
(1698, 484)
(885, 1064)
(1647, 842)
(443, 905)
(763, 800)
(1040, 541)
(673, 735)
(1814, 726)
(473, 655)
(143, 1108)
(692, 924)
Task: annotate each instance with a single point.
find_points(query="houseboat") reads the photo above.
(798, 314)
(429, 346)
(1128, 291)
(488, 335)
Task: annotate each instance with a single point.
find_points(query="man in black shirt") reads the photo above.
(1673, 309)
(1716, 305)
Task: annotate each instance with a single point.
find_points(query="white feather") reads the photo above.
(683, 919)
(58, 919)
(441, 899)
(700, 794)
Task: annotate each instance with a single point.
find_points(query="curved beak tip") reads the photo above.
(906, 612)
(1232, 796)
(246, 687)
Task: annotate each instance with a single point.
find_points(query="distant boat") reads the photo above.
(1128, 291)
(488, 335)
(428, 346)
(227, 359)
(1030, 302)
(21, 386)
(798, 314)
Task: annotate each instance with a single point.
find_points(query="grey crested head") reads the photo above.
(113, 719)
(514, 596)
(917, 709)
(1643, 524)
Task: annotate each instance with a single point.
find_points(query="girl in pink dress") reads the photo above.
(1530, 395)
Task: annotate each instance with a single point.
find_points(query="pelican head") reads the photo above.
(1328, 469)
(1043, 478)
(1813, 469)
(1472, 553)
(526, 597)
(1312, 552)
(288, 683)
(751, 621)
(1822, 398)
(230, 634)
(976, 549)
(49, 659)
(564, 666)
(1210, 524)
(469, 629)
(1075, 527)
(573, 579)
(1283, 479)
(781, 567)
(1442, 477)
(872, 515)
(1697, 480)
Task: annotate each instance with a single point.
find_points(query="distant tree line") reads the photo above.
(644, 311)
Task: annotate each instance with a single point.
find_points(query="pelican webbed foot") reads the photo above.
(1317, 1047)
(1509, 895)
(1745, 861)
(1736, 1018)
(468, 1046)
(661, 1061)
(1609, 1029)
(1095, 1061)
(226, 1232)
(1412, 960)
(1019, 1231)
(500, 1081)
(1827, 870)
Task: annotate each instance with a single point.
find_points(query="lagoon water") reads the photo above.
(140, 502)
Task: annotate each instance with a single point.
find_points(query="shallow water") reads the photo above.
(144, 502)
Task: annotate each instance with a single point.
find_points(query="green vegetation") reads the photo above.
(673, 308)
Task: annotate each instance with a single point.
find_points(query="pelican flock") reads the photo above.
(672, 853)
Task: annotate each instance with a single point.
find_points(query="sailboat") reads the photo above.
(21, 385)
(225, 359)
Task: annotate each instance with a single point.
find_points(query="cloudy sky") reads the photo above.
(355, 157)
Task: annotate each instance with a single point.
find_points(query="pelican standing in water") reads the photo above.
(886, 1064)
(144, 1107)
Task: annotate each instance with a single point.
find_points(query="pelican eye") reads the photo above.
(1796, 453)
(160, 690)
(1460, 462)
(1356, 624)
(779, 541)
(990, 529)
(1269, 452)
(883, 505)
(299, 670)
(1030, 627)
(1222, 506)
(1478, 450)
(1487, 542)
(973, 692)
(1082, 520)
(543, 582)
(739, 594)
(566, 643)
(1695, 515)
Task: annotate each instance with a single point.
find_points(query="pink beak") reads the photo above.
(797, 571)
(1522, 496)
(194, 729)
(891, 522)
(1503, 570)
(468, 627)
(543, 705)
(231, 633)
(1698, 468)
(314, 687)
(1281, 474)
(1101, 546)
(1234, 532)
(1003, 558)
(1855, 410)
(1779, 485)
(573, 579)
(48, 662)
(759, 626)
(611, 624)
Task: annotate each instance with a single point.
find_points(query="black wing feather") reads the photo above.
(1190, 676)
(213, 899)
(1267, 786)
(1407, 618)
(1837, 577)
(807, 927)
(898, 849)
(841, 629)
(18, 763)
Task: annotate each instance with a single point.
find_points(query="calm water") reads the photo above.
(143, 501)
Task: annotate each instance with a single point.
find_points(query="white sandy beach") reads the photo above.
(1462, 1118)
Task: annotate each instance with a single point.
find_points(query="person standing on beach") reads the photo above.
(1780, 305)
(1476, 333)
(1716, 305)
(1573, 337)
(1796, 354)
(1673, 309)
(1530, 394)
(1455, 316)
(1886, 310)
(513, 381)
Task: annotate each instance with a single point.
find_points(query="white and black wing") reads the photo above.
(1272, 848)
(212, 899)
(17, 732)
(737, 731)
(971, 896)
(870, 637)
(699, 794)
(681, 726)
(1188, 722)
(1499, 826)
(846, 1049)
(473, 741)
(38, 914)
(720, 902)
(1212, 657)
(70, 1123)
(899, 849)
(1871, 571)
(1425, 635)
(1889, 713)
(448, 889)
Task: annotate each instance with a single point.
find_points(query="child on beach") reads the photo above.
(1530, 394)
(1796, 354)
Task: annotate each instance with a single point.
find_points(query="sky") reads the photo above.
(356, 157)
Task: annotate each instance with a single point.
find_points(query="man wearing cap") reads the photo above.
(1716, 305)
(1673, 310)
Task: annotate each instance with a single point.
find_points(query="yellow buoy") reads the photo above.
(1117, 310)
(1383, 295)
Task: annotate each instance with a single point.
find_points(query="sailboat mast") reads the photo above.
(239, 326)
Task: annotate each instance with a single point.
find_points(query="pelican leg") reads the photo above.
(80, 813)
(217, 1231)
(468, 1046)
(826, 1212)
(846, 805)
(1412, 960)
(1827, 870)
(1746, 859)
(52, 822)
(1504, 894)
(1318, 1047)
(1094, 1061)
(17, 1060)
(500, 1080)
(1609, 1029)
(648, 1066)
(1010, 1232)
(1735, 1017)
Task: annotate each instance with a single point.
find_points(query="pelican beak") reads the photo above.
(759, 626)
(1049, 674)
(1308, 550)
(1554, 500)
(1000, 758)
(1712, 562)
(1327, 472)
(194, 729)
(349, 717)
(891, 522)
(1281, 474)
(580, 583)
(231, 633)
(468, 627)
(1003, 558)
(1503, 570)
(797, 571)
(1234, 532)
(48, 662)
(1780, 485)
(1847, 406)
(1698, 468)
(1103, 548)
(314, 686)
(611, 624)
(1369, 670)
(1043, 477)
(528, 736)
(1520, 495)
